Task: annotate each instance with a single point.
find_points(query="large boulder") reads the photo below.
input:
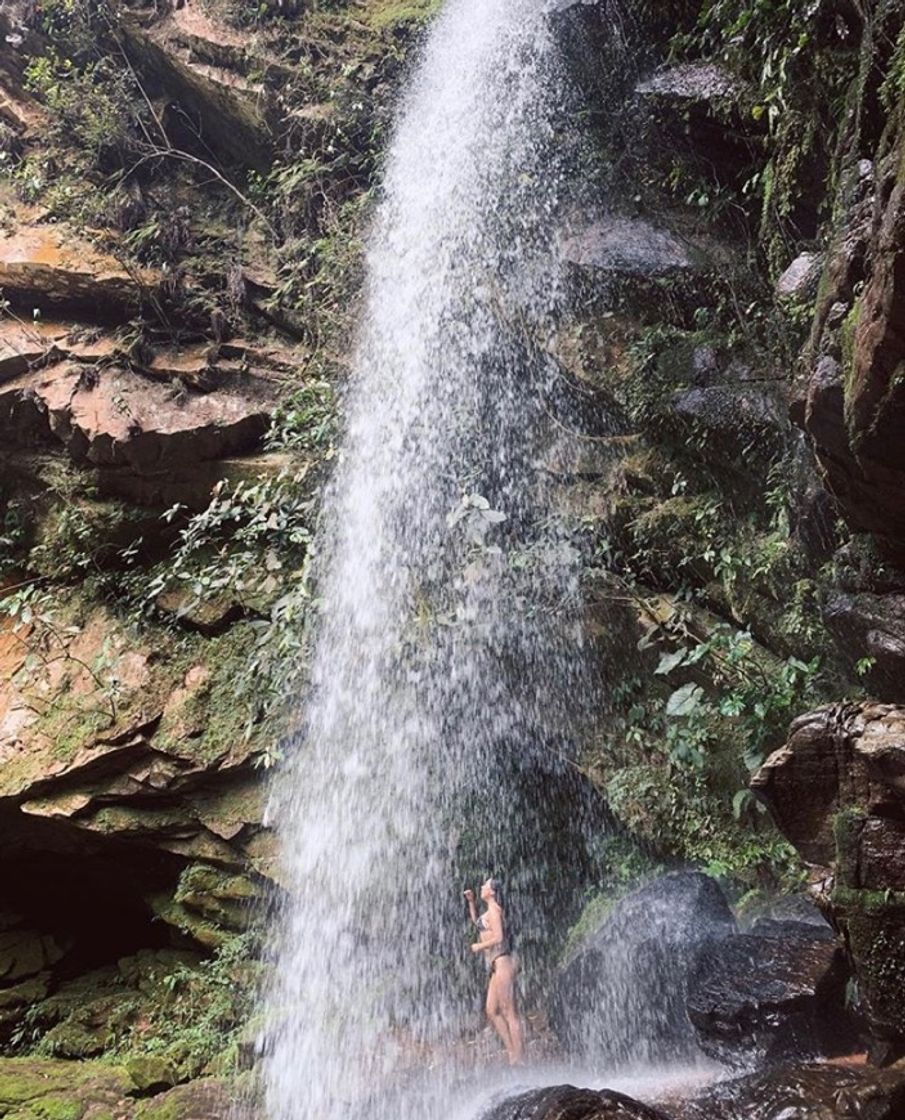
(565, 1101)
(837, 791)
(870, 628)
(622, 993)
(800, 1092)
(772, 994)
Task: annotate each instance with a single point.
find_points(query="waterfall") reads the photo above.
(449, 678)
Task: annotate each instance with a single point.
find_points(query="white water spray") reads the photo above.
(449, 674)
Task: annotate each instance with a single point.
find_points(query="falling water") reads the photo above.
(449, 674)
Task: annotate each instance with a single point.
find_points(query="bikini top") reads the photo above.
(503, 949)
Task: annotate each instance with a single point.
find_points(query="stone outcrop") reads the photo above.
(772, 994)
(837, 791)
(621, 995)
(562, 1101)
(808, 1092)
(215, 78)
(119, 787)
(790, 1092)
(852, 403)
(159, 430)
(46, 266)
(92, 1090)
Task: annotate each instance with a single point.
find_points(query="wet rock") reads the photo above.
(644, 268)
(800, 279)
(835, 757)
(733, 413)
(867, 625)
(692, 81)
(631, 247)
(770, 995)
(837, 791)
(622, 994)
(697, 111)
(565, 1101)
(800, 1092)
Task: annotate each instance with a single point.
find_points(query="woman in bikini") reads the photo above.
(496, 945)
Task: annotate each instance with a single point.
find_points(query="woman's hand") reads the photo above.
(469, 896)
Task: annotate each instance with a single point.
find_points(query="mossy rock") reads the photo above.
(206, 1099)
(217, 896)
(76, 1040)
(877, 944)
(390, 14)
(58, 1090)
(25, 953)
(146, 968)
(151, 1073)
(188, 922)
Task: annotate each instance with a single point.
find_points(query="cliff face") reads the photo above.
(183, 192)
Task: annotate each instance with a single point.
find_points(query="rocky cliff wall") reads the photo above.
(184, 189)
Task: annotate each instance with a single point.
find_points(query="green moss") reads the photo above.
(59, 1107)
(847, 342)
(53, 1090)
(878, 948)
(167, 1108)
(150, 1072)
(847, 825)
(394, 13)
(869, 904)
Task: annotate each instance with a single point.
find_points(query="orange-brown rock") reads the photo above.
(47, 266)
(113, 417)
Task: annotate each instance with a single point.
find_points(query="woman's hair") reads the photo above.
(496, 885)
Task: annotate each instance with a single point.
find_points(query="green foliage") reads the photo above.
(799, 57)
(13, 534)
(168, 1003)
(208, 1007)
(306, 420)
(251, 545)
(674, 810)
(760, 695)
(94, 107)
(240, 544)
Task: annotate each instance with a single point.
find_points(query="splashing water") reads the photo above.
(449, 679)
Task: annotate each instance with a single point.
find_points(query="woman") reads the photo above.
(496, 945)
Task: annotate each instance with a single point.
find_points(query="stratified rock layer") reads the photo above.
(837, 791)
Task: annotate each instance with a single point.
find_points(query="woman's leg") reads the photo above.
(506, 1002)
(494, 1012)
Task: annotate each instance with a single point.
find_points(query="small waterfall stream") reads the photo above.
(449, 676)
